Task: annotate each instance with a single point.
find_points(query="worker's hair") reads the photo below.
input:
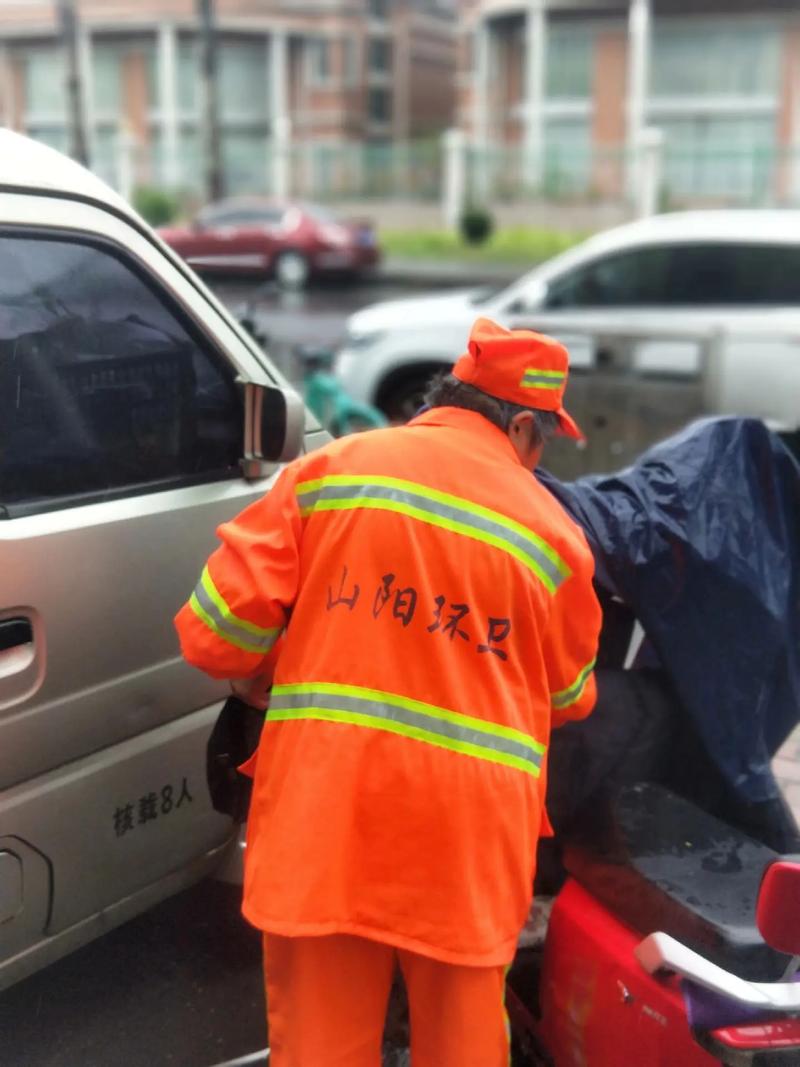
(447, 391)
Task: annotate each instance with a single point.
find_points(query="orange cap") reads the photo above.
(520, 366)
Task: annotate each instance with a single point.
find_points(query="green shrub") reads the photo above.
(524, 245)
(476, 225)
(155, 205)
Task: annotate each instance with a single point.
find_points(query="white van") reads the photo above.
(135, 415)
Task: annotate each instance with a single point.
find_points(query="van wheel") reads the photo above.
(291, 270)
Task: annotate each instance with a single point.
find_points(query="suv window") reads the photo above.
(102, 386)
(624, 279)
(683, 275)
(734, 274)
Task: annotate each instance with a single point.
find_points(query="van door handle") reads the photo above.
(15, 632)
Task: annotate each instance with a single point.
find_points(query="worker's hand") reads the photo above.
(253, 691)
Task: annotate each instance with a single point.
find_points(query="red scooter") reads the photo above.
(616, 981)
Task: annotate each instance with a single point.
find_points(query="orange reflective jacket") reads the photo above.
(439, 616)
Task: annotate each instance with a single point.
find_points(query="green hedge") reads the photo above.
(518, 244)
(156, 206)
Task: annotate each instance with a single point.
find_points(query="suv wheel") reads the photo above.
(401, 400)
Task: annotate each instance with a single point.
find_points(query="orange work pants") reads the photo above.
(327, 999)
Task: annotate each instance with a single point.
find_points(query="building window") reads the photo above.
(379, 105)
(188, 77)
(107, 80)
(242, 81)
(568, 156)
(44, 84)
(467, 59)
(569, 62)
(153, 74)
(715, 59)
(106, 151)
(378, 9)
(380, 56)
(350, 61)
(319, 61)
(244, 161)
(713, 155)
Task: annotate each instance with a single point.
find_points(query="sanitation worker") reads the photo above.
(423, 613)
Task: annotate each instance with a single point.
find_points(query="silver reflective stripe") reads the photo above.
(406, 720)
(449, 513)
(228, 627)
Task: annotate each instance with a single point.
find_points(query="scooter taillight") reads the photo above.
(763, 1045)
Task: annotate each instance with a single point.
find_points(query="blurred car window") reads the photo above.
(102, 384)
(319, 214)
(255, 216)
(734, 274)
(683, 275)
(624, 279)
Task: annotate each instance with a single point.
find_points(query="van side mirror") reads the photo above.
(778, 906)
(274, 427)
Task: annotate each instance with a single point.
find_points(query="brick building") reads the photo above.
(574, 82)
(339, 71)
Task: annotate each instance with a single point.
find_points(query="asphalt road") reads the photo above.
(181, 985)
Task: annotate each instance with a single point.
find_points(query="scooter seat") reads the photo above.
(658, 862)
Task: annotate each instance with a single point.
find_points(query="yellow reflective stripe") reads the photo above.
(434, 520)
(205, 618)
(390, 712)
(419, 706)
(531, 383)
(210, 607)
(437, 508)
(443, 498)
(414, 732)
(572, 694)
(534, 378)
(225, 611)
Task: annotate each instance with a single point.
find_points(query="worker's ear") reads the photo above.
(521, 427)
(524, 437)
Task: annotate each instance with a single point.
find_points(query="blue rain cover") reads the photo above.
(701, 538)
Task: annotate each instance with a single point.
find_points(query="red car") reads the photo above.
(288, 241)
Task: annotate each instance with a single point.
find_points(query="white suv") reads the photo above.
(638, 307)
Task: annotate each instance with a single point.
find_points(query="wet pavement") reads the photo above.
(179, 986)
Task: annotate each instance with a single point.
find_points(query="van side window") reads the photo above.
(683, 275)
(103, 386)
